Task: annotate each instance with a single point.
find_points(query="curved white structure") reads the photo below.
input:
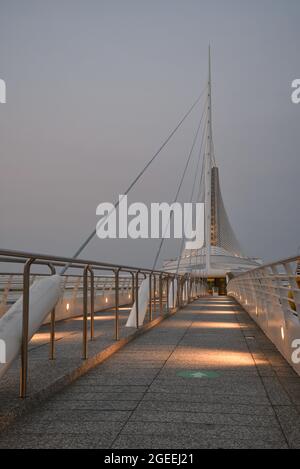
(222, 262)
(222, 254)
(143, 305)
(43, 296)
(171, 305)
(271, 296)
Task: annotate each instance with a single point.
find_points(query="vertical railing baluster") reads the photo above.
(117, 304)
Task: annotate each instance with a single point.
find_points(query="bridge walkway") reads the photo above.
(206, 377)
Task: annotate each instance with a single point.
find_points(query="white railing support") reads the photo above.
(271, 295)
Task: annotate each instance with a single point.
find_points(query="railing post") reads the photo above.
(160, 295)
(154, 293)
(150, 297)
(85, 313)
(178, 279)
(189, 290)
(117, 304)
(25, 326)
(186, 286)
(52, 335)
(52, 323)
(173, 293)
(167, 291)
(137, 298)
(132, 287)
(92, 304)
(25, 323)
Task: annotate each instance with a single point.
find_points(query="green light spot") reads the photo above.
(198, 374)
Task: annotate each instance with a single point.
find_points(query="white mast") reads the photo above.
(208, 156)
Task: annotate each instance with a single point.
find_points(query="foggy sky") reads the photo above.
(94, 87)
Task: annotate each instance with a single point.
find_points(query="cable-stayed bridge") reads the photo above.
(201, 353)
(221, 254)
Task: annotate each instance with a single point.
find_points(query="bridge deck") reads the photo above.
(204, 378)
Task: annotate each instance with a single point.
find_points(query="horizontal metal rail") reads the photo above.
(62, 261)
(122, 282)
(271, 296)
(270, 286)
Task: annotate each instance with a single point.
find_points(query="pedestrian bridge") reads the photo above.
(116, 356)
(205, 377)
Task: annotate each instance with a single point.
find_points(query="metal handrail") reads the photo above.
(263, 288)
(88, 267)
(271, 264)
(271, 296)
(61, 261)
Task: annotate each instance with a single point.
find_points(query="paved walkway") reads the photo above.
(45, 375)
(204, 378)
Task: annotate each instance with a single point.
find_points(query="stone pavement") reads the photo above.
(46, 376)
(206, 377)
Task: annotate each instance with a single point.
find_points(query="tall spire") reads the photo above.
(208, 165)
(210, 109)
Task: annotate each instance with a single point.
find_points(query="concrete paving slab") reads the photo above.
(173, 442)
(243, 432)
(136, 399)
(214, 418)
(173, 403)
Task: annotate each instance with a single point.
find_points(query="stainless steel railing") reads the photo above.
(269, 287)
(271, 296)
(11, 288)
(110, 277)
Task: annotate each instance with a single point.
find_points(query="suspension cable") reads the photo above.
(179, 188)
(192, 194)
(133, 183)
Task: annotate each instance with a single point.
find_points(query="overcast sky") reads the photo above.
(94, 87)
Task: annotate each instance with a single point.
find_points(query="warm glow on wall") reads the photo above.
(67, 306)
(282, 332)
(106, 300)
